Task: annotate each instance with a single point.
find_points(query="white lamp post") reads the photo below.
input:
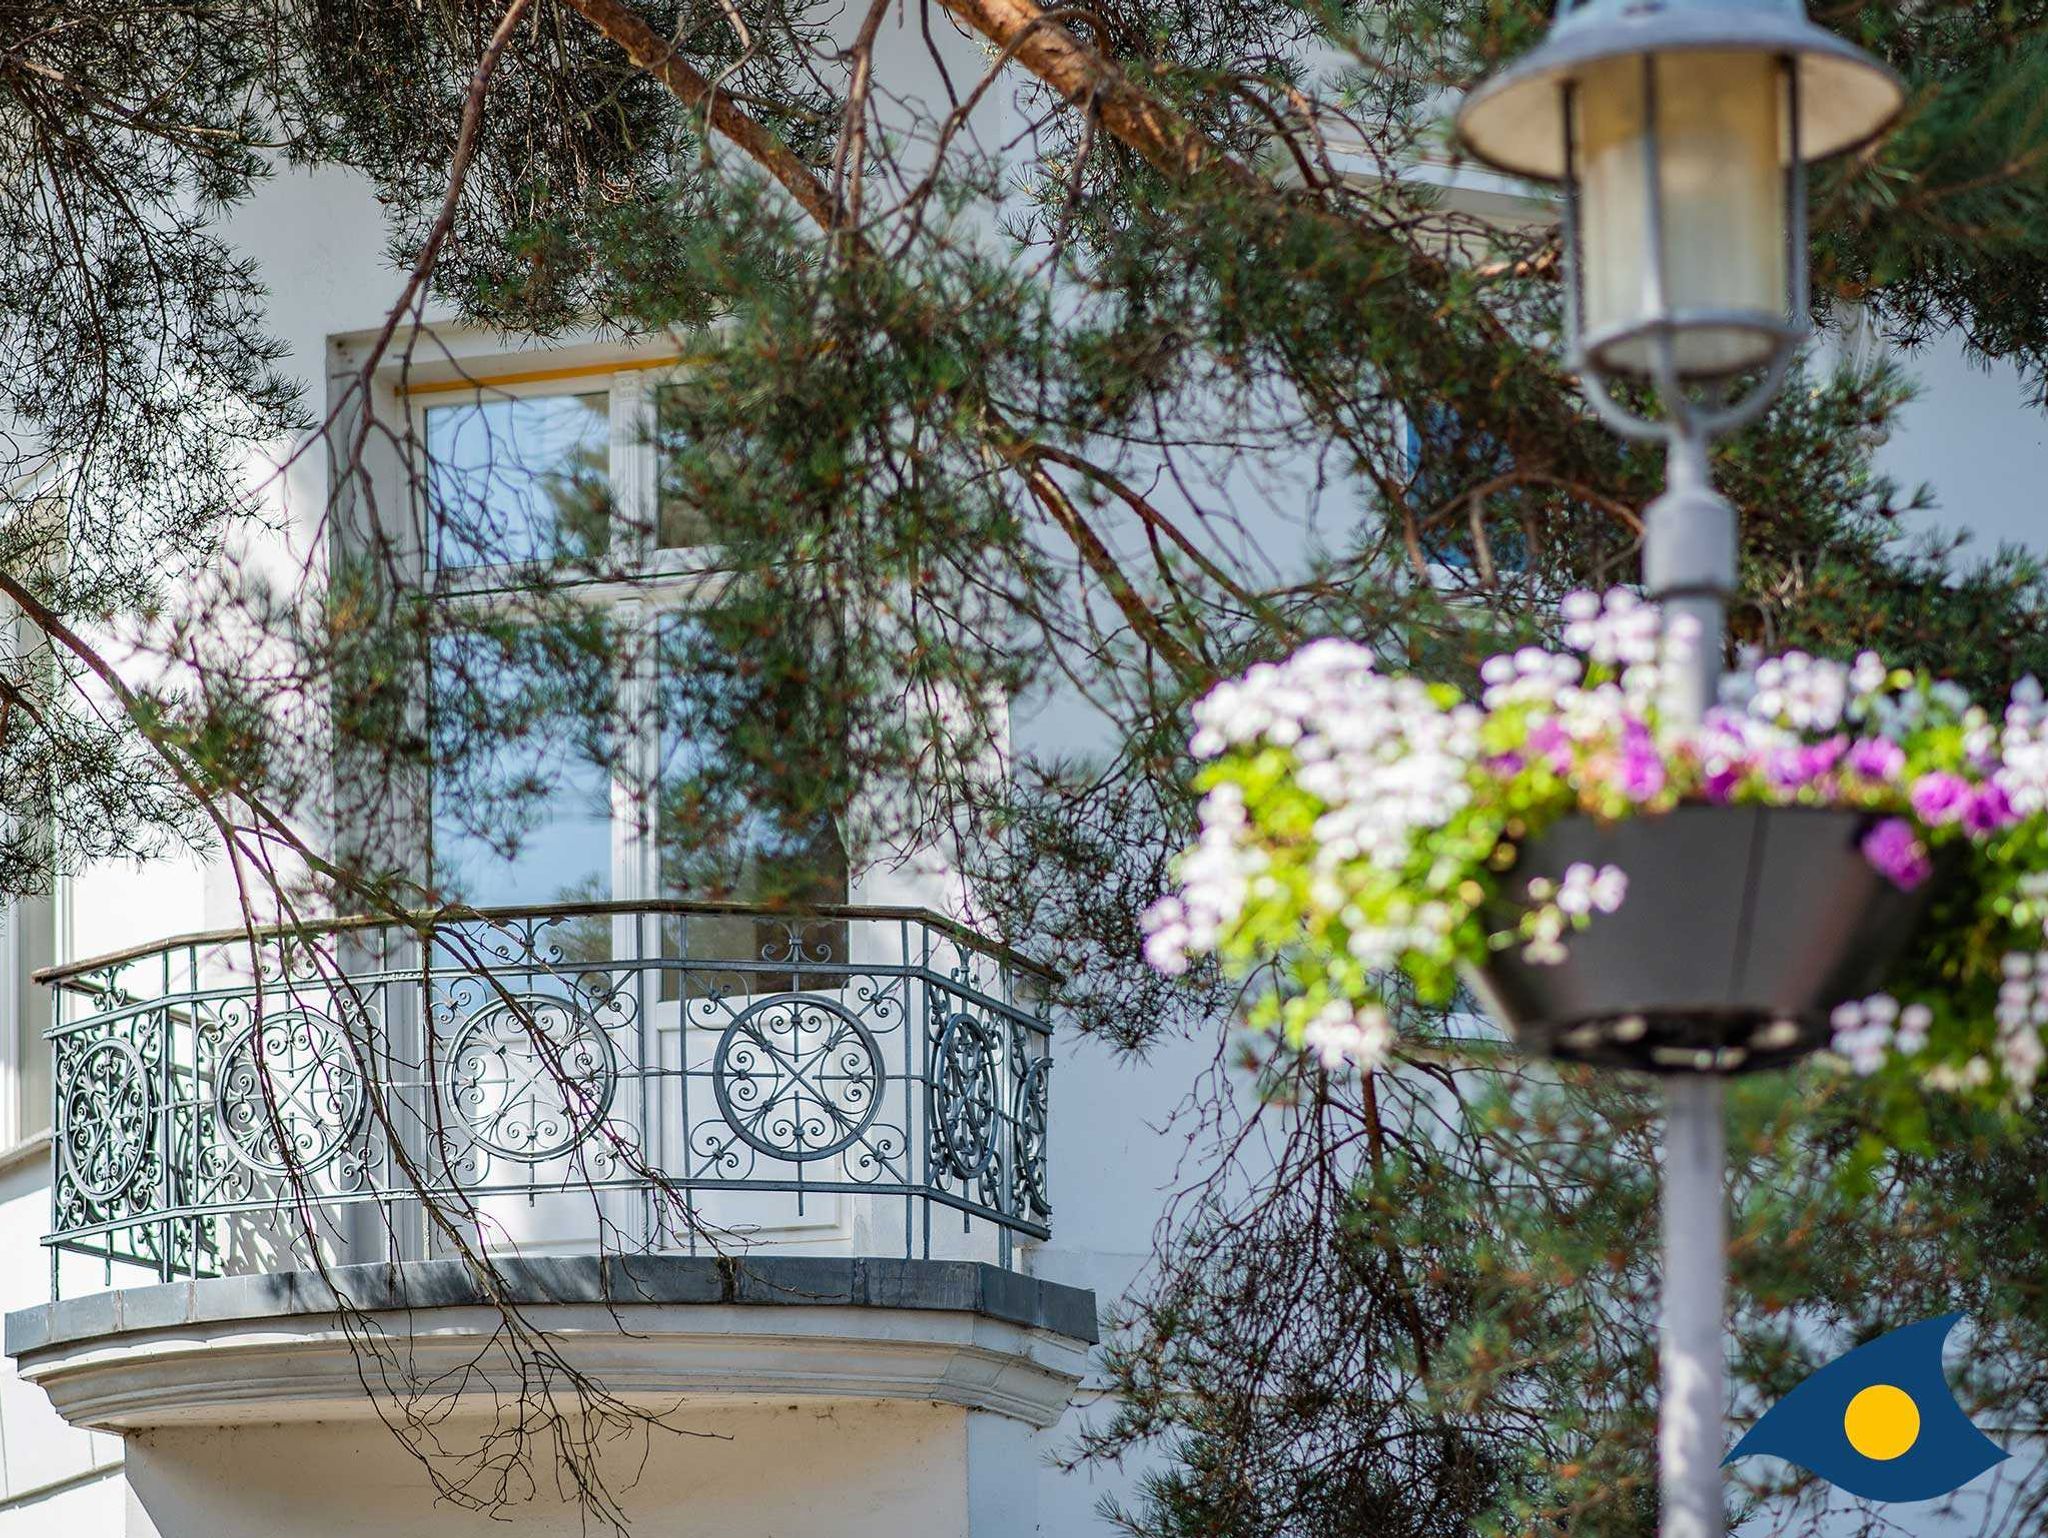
(1680, 131)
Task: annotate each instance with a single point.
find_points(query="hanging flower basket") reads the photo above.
(1743, 930)
(1840, 855)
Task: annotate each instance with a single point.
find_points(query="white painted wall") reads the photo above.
(849, 1471)
(1971, 437)
(54, 1478)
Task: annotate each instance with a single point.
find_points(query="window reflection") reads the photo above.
(519, 816)
(715, 846)
(519, 479)
(530, 746)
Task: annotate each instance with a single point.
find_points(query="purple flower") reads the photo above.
(1896, 854)
(1877, 758)
(1548, 739)
(1642, 768)
(1719, 786)
(1505, 766)
(1794, 768)
(1990, 809)
(1939, 797)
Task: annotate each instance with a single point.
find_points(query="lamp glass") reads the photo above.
(1719, 147)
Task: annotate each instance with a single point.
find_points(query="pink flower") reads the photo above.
(1939, 797)
(1990, 810)
(1795, 768)
(1877, 758)
(1642, 769)
(1719, 787)
(1896, 854)
(1548, 739)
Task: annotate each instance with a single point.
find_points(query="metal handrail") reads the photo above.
(423, 919)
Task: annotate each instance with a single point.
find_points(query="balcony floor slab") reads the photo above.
(652, 1329)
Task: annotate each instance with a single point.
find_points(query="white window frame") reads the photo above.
(667, 581)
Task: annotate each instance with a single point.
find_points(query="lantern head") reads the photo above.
(1680, 131)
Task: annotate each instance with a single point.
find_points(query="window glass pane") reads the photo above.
(520, 479)
(715, 847)
(522, 799)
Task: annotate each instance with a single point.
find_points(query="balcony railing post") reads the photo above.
(57, 992)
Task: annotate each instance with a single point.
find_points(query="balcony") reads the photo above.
(685, 1113)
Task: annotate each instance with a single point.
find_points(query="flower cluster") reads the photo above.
(1867, 1030)
(1345, 1037)
(1360, 828)
(1557, 905)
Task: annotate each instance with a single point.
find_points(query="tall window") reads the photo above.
(612, 803)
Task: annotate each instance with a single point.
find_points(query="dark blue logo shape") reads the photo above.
(1879, 1422)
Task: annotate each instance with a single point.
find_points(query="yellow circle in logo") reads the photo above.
(1882, 1422)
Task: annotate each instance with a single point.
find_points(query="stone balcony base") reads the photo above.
(652, 1330)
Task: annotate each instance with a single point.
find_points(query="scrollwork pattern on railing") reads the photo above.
(222, 1103)
(287, 1093)
(106, 1111)
(531, 1076)
(966, 1095)
(798, 1077)
(1034, 1104)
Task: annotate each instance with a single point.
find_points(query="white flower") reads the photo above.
(1914, 1023)
(1166, 936)
(1342, 1035)
(1807, 694)
(1864, 1035)
(1621, 631)
(1575, 893)
(1530, 676)
(1586, 890)
(2021, 1054)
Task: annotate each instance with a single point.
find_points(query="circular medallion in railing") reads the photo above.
(287, 1094)
(965, 1096)
(531, 1075)
(105, 1106)
(798, 1077)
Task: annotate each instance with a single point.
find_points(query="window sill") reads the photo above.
(27, 1151)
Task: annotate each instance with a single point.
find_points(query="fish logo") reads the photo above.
(1879, 1422)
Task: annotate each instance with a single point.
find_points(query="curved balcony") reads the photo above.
(613, 1079)
(707, 1151)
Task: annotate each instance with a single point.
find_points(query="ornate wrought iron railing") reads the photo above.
(630, 1076)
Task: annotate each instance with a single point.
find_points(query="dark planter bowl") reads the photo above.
(1742, 929)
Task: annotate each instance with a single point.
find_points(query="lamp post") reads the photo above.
(1680, 132)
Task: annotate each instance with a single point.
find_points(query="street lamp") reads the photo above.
(1680, 132)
